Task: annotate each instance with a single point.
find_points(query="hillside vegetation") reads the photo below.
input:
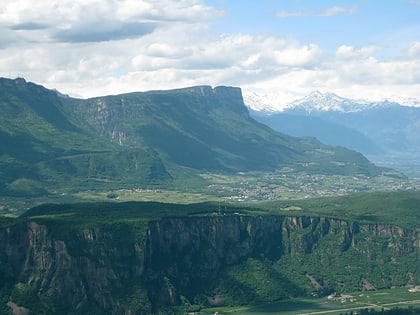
(42, 150)
(399, 208)
(149, 257)
(53, 144)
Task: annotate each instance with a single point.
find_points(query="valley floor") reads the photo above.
(240, 187)
(378, 300)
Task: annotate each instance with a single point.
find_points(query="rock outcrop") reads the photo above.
(122, 270)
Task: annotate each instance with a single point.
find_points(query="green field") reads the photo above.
(232, 188)
(381, 299)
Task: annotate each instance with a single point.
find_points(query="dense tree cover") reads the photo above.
(400, 208)
(319, 252)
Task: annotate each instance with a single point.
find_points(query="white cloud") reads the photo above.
(134, 8)
(98, 20)
(70, 21)
(338, 11)
(303, 56)
(350, 52)
(414, 50)
(83, 48)
(350, 72)
(332, 11)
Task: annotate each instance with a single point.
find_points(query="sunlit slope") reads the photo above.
(41, 148)
(209, 128)
(51, 142)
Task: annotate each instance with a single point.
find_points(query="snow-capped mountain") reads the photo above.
(317, 101)
(405, 101)
(261, 102)
(386, 131)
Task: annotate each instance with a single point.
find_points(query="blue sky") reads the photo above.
(359, 49)
(391, 24)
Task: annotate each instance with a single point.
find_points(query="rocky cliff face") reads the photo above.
(116, 271)
(195, 251)
(221, 96)
(77, 273)
(347, 234)
(111, 116)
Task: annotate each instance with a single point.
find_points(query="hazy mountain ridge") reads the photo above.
(385, 131)
(318, 101)
(322, 129)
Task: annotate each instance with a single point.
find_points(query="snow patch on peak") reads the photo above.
(261, 102)
(317, 101)
(405, 100)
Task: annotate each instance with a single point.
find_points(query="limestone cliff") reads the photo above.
(205, 128)
(114, 117)
(120, 269)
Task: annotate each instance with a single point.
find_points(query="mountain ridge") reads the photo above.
(272, 103)
(143, 138)
(215, 120)
(385, 131)
(317, 101)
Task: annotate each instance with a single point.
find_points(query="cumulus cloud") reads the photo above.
(298, 56)
(350, 72)
(414, 50)
(350, 52)
(29, 26)
(106, 31)
(98, 20)
(99, 47)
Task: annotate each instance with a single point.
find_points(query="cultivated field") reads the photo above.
(381, 299)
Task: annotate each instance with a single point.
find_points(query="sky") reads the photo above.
(358, 49)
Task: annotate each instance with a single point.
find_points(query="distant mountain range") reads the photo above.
(273, 103)
(387, 132)
(145, 138)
